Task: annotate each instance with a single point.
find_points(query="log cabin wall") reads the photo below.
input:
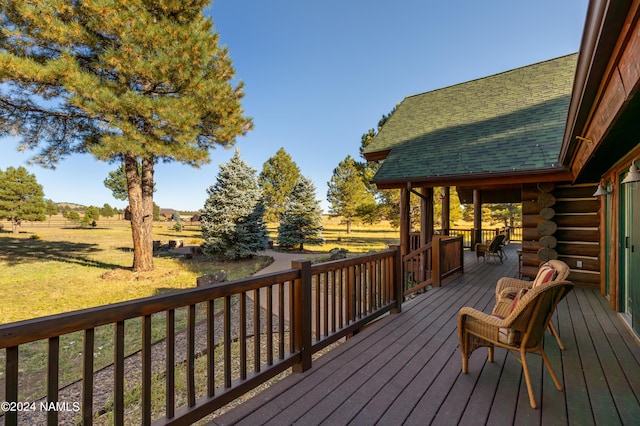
(561, 221)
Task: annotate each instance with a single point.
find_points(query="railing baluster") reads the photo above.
(118, 373)
(11, 383)
(341, 315)
(211, 348)
(87, 377)
(170, 360)
(318, 309)
(292, 323)
(53, 356)
(281, 320)
(325, 287)
(256, 330)
(269, 326)
(191, 355)
(146, 370)
(227, 341)
(370, 283)
(242, 335)
(358, 272)
(334, 289)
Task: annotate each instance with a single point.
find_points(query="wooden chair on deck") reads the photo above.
(493, 249)
(521, 331)
(508, 287)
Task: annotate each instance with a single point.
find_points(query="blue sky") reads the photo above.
(319, 74)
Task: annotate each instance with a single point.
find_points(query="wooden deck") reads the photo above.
(405, 369)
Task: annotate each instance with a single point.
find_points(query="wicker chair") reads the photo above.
(521, 331)
(492, 249)
(507, 286)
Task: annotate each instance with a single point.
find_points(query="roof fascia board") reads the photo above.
(558, 174)
(599, 40)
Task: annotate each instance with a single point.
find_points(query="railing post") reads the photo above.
(398, 282)
(302, 314)
(461, 255)
(436, 262)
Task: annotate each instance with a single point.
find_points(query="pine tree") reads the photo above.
(301, 220)
(278, 177)
(21, 197)
(134, 82)
(232, 217)
(347, 194)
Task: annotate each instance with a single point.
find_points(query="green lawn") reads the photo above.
(362, 239)
(51, 269)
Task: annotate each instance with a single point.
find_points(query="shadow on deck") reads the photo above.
(406, 368)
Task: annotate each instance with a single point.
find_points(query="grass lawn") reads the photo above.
(362, 239)
(46, 270)
(54, 267)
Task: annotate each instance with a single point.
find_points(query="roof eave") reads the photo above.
(377, 155)
(602, 26)
(552, 174)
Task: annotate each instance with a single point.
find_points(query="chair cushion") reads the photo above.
(509, 336)
(516, 296)
(545, 274)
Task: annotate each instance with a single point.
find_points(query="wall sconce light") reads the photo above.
(601, 190)
(634, 175)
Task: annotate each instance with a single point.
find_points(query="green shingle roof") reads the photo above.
(513, 121)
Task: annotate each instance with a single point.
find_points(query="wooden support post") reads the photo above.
(446, 215)
(426, 216)
(476, 237)
(426, 226)
(405, 221)
(302, 314)
(437, 261)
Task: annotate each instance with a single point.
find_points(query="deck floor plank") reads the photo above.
(603, 407)
(406, 369)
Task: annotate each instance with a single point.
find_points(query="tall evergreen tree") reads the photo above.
(134, 82)
(51, 208)
(107, 210)
(277, 179)
(348, 194)
(232, 217)
(116, 181)
(387, 199)
(507, 213)
(21, 197)
(301, 220)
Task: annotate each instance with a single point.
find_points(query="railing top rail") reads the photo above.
(418, 251)
(17, 333)
(451, 239)
(344, 263)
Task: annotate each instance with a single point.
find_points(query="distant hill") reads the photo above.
(72, 206)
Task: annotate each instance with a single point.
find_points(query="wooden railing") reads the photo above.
(433, 262)
(417, 269)
(247, 331)
(515, 234)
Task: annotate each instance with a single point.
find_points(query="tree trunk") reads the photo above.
(140, 189)
(348, 226)
(15, 225)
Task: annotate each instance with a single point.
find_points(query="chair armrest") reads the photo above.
(480, 316)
